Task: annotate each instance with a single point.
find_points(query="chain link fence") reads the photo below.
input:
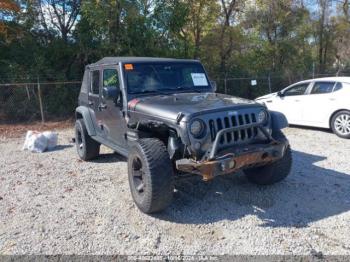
(253, 87)
(45, 101)
(27, 102)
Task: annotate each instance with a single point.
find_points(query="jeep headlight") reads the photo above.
(262, 117)
(197, 128)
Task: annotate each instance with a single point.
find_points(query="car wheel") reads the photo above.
(274, 172)
(340, 124)
(87, 148)
(150, 175)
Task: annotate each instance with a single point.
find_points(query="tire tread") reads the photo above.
(159, 168)
(92, 147)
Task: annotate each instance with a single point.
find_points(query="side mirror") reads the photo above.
(280, 94)
(110, 92)
(213, 85)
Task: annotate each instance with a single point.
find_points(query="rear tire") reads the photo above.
(150, 175)
(340, 124)
(87, 147)
(274, 172)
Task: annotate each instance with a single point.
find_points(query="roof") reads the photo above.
(133, 59)
(343, 79)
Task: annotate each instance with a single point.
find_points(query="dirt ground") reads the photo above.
(17, 130)
(54, 203)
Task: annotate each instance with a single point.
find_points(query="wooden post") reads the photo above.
(225, 85)
(27, 90)
(41, 104)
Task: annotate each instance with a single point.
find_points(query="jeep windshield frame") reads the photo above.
(153, 78)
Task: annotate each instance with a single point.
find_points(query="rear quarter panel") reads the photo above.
(341, 102)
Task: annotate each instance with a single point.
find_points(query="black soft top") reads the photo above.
(133, 59)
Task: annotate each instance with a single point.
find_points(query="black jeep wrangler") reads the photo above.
(165, 117)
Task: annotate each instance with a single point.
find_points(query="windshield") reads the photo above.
(170, 76)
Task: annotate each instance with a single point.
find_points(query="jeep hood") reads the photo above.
(190, 104)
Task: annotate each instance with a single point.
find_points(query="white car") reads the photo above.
(322, 102)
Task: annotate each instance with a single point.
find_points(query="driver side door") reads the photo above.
(112, 117)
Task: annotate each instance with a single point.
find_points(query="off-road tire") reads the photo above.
(274, 172)
(333, 123)
(152, 184)
(87, 147)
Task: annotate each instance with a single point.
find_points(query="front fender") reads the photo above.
(279, 120)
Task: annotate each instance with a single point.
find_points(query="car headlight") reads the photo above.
(262, 116)
(197, 128)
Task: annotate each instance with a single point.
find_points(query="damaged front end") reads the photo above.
(219, 161)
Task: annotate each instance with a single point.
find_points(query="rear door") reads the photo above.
(94, 100)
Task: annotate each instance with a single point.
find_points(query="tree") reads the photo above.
(59, 15)
(342, 37)
(282, 35)
(201, 18)
(8, 8)
(323, 33)
(230, 9)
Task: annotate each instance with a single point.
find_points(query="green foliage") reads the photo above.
(284, 39)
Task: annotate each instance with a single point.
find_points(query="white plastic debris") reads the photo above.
(51, 139)
(39, 142)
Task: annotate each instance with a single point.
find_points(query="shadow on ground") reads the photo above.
(309, 194)
(59, 147)
(109, 158)
(325, 130)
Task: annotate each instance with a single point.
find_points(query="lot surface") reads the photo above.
(53, 203)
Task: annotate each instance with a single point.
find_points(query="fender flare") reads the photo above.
(86, 115)
(279, 120)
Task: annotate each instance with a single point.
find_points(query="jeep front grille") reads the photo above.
(239, 136)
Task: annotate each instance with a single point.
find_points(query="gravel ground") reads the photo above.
(53, 203)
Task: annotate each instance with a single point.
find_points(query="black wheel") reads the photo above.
(87, 148)
(150, 175)
(274, 172)
(340, 124)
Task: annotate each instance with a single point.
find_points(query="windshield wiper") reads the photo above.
(183, 88)
(167, 90)
(144, 92)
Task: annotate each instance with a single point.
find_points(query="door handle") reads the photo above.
(102, 106)
(332, 99)
(269, 101)
(297, 100)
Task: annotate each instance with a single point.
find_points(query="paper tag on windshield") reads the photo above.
(199, 79)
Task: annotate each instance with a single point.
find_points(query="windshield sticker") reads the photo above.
(199, 79)
(129, 67)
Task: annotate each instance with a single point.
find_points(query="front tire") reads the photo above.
(274, 172)
(340, 124)
(150, 175)
(87, 148)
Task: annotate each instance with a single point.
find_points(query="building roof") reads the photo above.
(133, 59)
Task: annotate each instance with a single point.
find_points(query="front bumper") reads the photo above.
(234, 158)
